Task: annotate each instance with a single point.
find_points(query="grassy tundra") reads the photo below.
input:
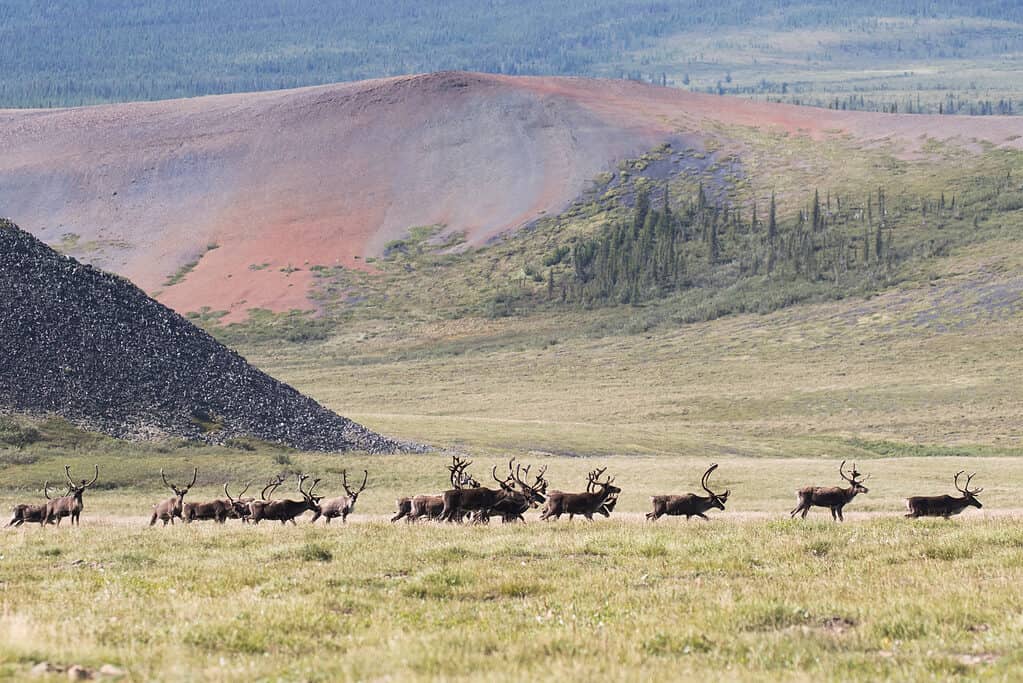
(749, 593)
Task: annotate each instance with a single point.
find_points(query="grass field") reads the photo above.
(915, 384)
(749, 594)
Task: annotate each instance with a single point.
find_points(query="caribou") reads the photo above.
(341, 506)
(32, 512)
(218, 510)
(239, 505)
(833, 497)
(691, 504)
(413, 508)
(597, 495)
(287, 510)
(945, 506)
(512, 507)
(167, 510)
(256, 507)
(69, 505)
(461, 501)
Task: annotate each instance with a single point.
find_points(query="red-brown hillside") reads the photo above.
(328, 175)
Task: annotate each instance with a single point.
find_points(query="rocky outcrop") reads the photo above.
(93, 348)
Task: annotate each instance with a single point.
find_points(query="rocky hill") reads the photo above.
(92, 347)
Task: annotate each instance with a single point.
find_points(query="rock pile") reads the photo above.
(92, 347)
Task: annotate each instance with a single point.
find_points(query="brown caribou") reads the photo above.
(256, 507)
(69, 505)
(32, 512)
(459, 502)
(239, 505)
(945, 506)
(413, 508)
(167, 510)
(691, 504)
(512, 507)
(341, 506)
(833, 497)
(598, 494)
(287, 510)
(218, 510)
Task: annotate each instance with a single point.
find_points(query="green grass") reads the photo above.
(754, 599)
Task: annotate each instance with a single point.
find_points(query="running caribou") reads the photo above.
(219, 510)
(167, 510)
(833, 497)
(413, 508)
(287, 510)
(945, 506)
(32, 512)
(599, 495)
(691, 504)
(341, 506)
(461, 501)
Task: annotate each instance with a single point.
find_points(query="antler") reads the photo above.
(195, 474)
(706, 477)
(457, 470)
(966, 487)
(167, 483)
(84, 485)
(344, 481)
(503, 482)
(67, 473)
(308, 494)
(841, 472)
(592, 478)
(46, 490)
(272, 485)
(227, 494)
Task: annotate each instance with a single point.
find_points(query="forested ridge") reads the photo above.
(61, 54)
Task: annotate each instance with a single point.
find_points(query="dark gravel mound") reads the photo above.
(95, 349)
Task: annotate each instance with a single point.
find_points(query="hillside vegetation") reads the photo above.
(951, 52)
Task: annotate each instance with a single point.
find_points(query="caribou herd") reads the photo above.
(469, 501)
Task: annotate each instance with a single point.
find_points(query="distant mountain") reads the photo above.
(235, 202)
(96, 350)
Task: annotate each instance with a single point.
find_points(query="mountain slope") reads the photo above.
(95, 349)
(229, 201)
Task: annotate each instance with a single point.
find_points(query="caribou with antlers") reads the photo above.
(218, 510)
(459, 502)
(833, 497)
(32, 512)
(240, 505)
(945, 506)
(287, 510)
(341, 506)
(265, 497)
(596, 498)
(69, 505)
(526, 497)
(167, 510)
(691, 504)
(413, 508)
